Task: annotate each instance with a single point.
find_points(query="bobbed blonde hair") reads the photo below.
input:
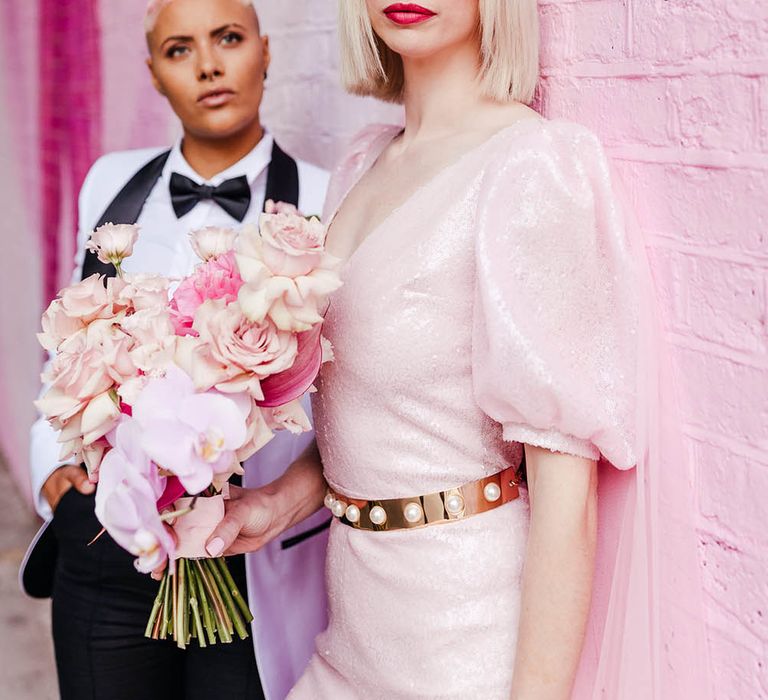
(509, 48)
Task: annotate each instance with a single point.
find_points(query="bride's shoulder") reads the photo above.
(549, 145)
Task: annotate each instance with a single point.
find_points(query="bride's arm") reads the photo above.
(557, 579)
(256, 516)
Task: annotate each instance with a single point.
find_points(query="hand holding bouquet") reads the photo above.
(163, 398)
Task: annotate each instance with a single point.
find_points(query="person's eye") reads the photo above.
(231, 38)
(176, 51)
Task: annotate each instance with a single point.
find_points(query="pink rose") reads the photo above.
(142, 292)
(234, 354)
(216, 279)
(292, 246)
(212, 241)
(113, 242)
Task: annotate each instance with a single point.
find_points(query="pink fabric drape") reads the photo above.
(69, 118)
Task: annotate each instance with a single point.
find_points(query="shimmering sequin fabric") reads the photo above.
(483, 313)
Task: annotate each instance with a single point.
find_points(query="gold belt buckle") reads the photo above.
(419, 511)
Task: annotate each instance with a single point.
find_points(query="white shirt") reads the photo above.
(163, 246)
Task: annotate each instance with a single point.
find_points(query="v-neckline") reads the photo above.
(372, 157)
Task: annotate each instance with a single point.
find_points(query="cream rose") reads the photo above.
(292, 246)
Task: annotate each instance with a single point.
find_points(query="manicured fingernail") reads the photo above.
(215, 546)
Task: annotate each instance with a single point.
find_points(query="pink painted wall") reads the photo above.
(678, 91)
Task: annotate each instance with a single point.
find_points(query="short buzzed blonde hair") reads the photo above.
(509, 46)
(154, 8)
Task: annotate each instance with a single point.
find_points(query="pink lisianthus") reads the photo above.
(191, 435)
(218, 278)
(212, 241)
(58, 326)
(234, 354)
(87, 301)
(113, 242)
(129, 487)
(141, 292)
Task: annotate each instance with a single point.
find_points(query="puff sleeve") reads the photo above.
(556, 310)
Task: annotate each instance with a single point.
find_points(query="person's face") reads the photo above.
(209, 59)
(427, 28)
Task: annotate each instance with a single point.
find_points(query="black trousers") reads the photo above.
(100, 609)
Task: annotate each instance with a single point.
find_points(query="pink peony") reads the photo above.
(216, 279)
(129, 487)
(234, 354)
(113, 242)
(212, 241)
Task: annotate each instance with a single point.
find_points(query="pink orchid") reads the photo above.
(218, 278)
(129, 486)
(192, 435)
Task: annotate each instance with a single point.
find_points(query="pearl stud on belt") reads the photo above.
(419, 511)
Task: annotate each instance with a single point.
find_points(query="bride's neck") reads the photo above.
(442, 92)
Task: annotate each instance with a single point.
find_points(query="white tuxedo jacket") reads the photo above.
(286, 578)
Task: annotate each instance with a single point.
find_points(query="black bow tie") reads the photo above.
(233, 196)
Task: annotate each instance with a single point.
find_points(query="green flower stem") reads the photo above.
(233, 589)
(197, 630)
(210, 624)
(182, 606)
(224, 624)
(234, 614)
(166, 607)
(153, 616)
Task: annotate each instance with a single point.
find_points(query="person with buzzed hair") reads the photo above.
(209, 59)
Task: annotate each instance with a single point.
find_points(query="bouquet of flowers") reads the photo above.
(162, 388)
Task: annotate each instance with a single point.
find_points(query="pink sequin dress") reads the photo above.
(494, 307)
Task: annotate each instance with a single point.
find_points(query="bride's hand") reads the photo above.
(248, 523)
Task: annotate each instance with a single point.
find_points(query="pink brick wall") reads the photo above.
(678, 91)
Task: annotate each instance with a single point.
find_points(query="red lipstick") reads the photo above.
(408, 13)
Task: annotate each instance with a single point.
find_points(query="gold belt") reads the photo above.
(419, 511)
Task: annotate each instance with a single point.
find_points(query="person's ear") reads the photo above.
(266, 55)
(155, 82)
